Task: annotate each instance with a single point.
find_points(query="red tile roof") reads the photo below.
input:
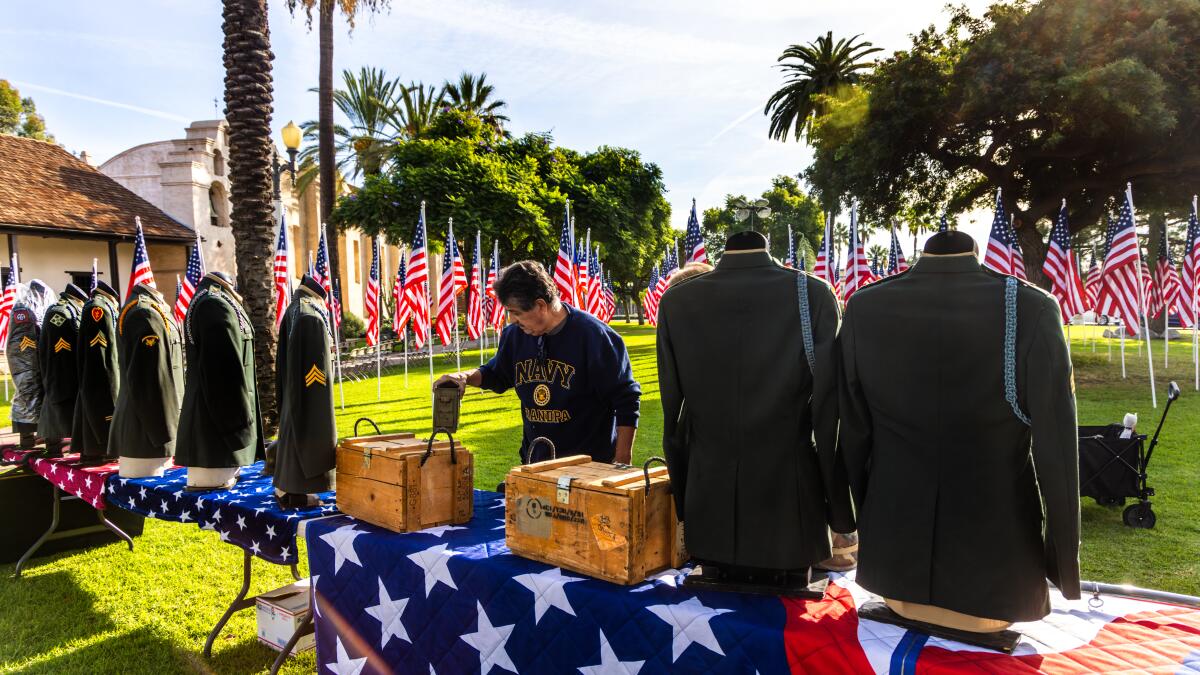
(45, 189)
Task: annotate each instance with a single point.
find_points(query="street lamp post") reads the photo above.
(291, 141)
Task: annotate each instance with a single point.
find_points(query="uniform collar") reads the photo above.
(954, 263)
(143, 289)
(736, 260)
(304, 288)
(211, 280)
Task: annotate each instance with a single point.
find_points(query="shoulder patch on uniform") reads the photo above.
(97, 313)
(21, 316)
(99, 339)
(61, 345)
(314, 376)
(150, 340)
(58, 319)
(26, 343)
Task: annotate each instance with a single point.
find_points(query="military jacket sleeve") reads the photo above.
(675, 449)
(854, 439)
(826, 319)
(310, 397)
(222, 372)
(56, 349)
(1050, 401)
(153, 395)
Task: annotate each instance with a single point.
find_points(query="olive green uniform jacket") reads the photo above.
(99, 377)
(23, 363)
(754, 474)
(147, 411)
(948, 481)
(305, 454)
(220, 425)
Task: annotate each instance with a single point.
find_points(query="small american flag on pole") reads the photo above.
(693, 241)
(564, 266)
(142, 274)
(999, 254)
(191, 279)
(789, 259)
(581, 271)
(1167, 278)
(858, 268)
(1191, 268)
(610, 298)
(496, 311)
(322, 276)
(1018, 256)
(371, 301)
(1091, 286)
(649, 301)
(403, 312)
(896, 262)
(1063, 270)
(475, 323)
(595, 284)
(823, 266)
(283, 279)
(1122, 290)
(448, 288)
(8, 299)
(416, 287)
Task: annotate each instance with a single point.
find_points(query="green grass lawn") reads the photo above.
(109, 610)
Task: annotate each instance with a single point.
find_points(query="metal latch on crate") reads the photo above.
(366, 457)
(564, 489)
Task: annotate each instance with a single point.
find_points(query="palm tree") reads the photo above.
(474, 94)
(418, 105)
(822, 67)
(325, 133)
(878, 255)
(369, 101)
(248, 97)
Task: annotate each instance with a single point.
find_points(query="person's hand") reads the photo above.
(458, 379)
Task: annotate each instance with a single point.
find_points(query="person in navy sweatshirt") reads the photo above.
(570, 371)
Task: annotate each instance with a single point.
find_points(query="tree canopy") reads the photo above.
(1059, 99)
(19, 116)
(514, 190)
(789, 206)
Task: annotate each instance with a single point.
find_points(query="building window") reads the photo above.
(218, 163)
(357, 264)
(218, 209)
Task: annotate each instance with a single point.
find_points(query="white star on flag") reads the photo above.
(142, 492)
(284, 552)
(489, 640)
(342, 541)
(254, 547)
(185, 516)
(241, 522)
(216, 515)
(315, 595)
(549, 590)
(164, 506)
(224, 535)
(88, 483)
(689, 622)
(70, 474)
(270, 532)
(53, 469)
(150, 513)
(258, 512)
(131, 502)
(441, 529)
(346, 665)
(388, 612)
(200, 502)
(433, 561)
(610, 664)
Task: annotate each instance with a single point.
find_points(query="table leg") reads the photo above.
(42, 539)
(305, 628)
(115, 530)
(239, 603)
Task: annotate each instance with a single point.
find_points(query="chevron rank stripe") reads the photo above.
(314, 376)
(98, 340)
(26, 343)
(61, 345)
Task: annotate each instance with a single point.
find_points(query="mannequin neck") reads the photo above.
(951, 242)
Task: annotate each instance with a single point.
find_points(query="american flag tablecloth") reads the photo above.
(86, 483)
(246, 515)
(454, 600)
(13, 455)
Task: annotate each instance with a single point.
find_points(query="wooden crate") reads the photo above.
(380, 480)
(605, 524)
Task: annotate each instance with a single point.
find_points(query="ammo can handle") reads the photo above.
(429, 446)
(646, 468)
(368, 420)
(543, 439)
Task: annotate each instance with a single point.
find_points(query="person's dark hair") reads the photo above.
(524, 283)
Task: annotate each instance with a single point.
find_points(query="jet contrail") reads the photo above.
(729, 127)
(102, 101)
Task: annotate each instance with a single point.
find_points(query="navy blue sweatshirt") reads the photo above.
(576, 386)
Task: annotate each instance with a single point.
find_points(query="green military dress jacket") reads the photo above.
(58, 347)
(99, 375)
(754, 474)
(147, 411)
(220, 425)
(949, 482)
(305, 454)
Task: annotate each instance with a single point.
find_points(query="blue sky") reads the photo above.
(683, 81)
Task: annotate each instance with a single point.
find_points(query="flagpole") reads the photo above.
(1166, 310)
(1195, 321)
(337, 351)
(428, 310)
(1142, 299)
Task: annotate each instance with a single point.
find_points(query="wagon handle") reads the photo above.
(368, 420)
(429, 446)
(646, 469)
(542, 439)
(1172, 394)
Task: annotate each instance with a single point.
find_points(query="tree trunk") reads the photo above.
(1033, 250)
(248, 99)
(326, 161)
(1158, 222)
